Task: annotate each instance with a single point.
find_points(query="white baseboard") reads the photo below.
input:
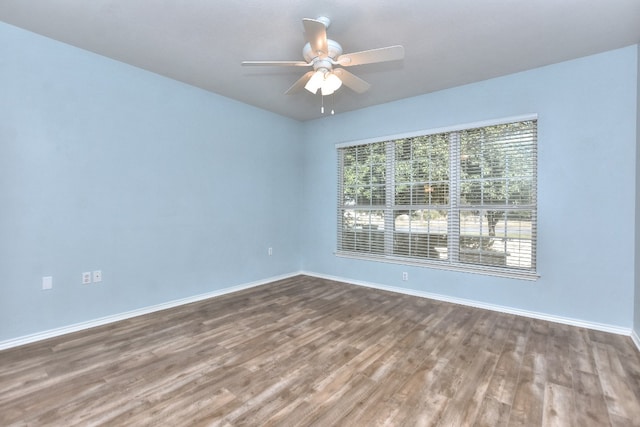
(15, 342)
(636, 339)
(493, 307)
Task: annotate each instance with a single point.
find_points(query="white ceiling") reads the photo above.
(447, 42)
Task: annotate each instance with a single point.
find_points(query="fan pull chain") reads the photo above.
(322, 104)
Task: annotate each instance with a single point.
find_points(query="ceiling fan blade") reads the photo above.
(316, 34)
(300, 83)
(351, 81)
(391, 53)
(277, 63)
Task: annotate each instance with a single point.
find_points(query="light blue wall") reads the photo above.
(170, 190)
(587, 137)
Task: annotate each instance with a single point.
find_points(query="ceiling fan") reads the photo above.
(323, 55)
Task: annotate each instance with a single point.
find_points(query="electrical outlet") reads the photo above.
(97, 276)
(270, 251)
(47, 282)
(86, 277)
(405, 276)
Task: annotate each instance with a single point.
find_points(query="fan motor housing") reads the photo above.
(333, 47)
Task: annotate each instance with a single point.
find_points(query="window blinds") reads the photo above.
(462, 199)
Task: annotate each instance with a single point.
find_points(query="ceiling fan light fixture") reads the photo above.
(326, 91)
(324, 80)
(316, 81)
(331, 84)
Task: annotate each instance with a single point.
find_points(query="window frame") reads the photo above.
(454, 209)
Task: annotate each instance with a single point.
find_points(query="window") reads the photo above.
(461, 199)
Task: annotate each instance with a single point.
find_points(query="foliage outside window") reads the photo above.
(462, 199)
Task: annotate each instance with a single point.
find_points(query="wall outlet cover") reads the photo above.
(86, 277)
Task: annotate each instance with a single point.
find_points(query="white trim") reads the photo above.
(635, 338)
(453, 128)
(27, 339)
(493, 307)
(467, 268)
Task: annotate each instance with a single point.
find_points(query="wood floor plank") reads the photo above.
(591, 407)
(580, 351)
(621, 396)
(559, 409)
(527, 408)
(493, 413)
(311, 351)
(464, 406)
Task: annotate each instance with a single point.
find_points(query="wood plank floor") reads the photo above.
(306, 351)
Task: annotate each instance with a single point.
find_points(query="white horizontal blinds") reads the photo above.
(421, 196)
(497, 195)
(461, 199)
(362, 198)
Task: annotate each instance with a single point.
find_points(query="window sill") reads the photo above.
(443, 265)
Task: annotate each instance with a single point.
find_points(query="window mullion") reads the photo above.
(340, 201)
